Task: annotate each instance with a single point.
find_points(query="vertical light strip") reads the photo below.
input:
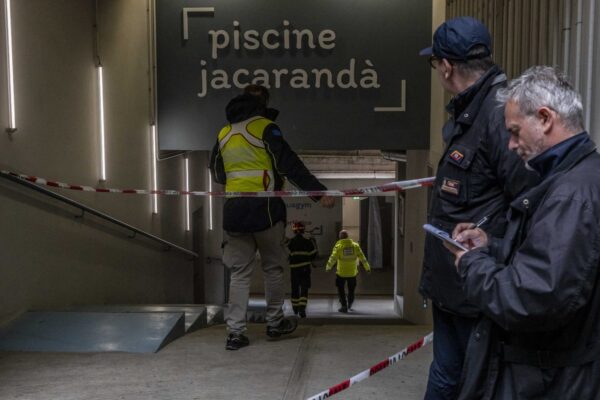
(12, 125)
(576, 76)
(210, 202)
(154, 172)
(187, 197)
(590, 66)
(102, 137)
(567, 38)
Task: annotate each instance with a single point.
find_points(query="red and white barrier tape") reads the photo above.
(364, 191)
(374, 369)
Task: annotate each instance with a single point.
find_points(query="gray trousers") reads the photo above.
(239, 255)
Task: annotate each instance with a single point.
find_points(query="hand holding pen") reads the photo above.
(470, 234)
(479, 223)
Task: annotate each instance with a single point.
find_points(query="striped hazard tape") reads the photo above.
(424, 341)
(364, 191)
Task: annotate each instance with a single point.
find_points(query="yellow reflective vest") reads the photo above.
(345, 253)
(247, 163)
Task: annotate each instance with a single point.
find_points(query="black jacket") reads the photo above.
(538, 290)
(247, 214)
(477, 177)
(302, 251)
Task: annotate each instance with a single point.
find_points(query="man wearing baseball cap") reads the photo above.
(477, 177)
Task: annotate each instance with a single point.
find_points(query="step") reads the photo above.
(195, 314)
(74, 331)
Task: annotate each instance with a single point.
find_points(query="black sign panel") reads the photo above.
(345, 74)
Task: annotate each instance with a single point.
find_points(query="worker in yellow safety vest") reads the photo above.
(251, 156)
(346, 253)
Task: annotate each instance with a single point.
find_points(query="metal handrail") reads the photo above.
(99, 214)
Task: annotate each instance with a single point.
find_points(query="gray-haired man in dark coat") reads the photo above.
(538, 287)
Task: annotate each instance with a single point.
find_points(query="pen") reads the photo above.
(480, 222)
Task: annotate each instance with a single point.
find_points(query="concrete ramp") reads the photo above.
(73, 331)
(256, 311)
(195, 315)
(215, 314)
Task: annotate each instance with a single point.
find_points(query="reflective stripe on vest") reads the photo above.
(247, 164)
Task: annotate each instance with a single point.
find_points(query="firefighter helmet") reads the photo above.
(298, 227)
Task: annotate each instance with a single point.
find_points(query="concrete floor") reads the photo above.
(197, 366)
(363, 308)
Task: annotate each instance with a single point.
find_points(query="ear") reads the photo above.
(448, 68)
(547, 118)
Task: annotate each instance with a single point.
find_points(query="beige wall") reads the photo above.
(50, 258)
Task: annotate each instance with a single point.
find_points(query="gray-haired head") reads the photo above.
(543, 86)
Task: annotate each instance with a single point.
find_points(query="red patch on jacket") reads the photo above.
(457, 156)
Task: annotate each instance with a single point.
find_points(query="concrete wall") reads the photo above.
(400, 236)
(49, 258)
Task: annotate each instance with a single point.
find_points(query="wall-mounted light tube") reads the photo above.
(101, 117)
(590, 65)
(12, 124)
(210, 202)
(187, 197)
(154, 170)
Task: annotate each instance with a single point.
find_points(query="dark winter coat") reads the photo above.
(477, 177)
(303, 251)
(538, 290)
(250, 214)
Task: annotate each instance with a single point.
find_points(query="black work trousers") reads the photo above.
(341, 283)
(300, 284)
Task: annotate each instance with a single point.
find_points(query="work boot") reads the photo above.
(236, 341)
(344, 309)
(302, 314)
(285, 327)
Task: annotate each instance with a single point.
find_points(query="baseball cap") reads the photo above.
(456, 37)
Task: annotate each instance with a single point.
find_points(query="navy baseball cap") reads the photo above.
(456, 37)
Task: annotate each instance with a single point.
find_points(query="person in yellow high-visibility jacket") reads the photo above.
(345, 254)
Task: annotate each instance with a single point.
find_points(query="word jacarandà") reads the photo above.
(304, 42)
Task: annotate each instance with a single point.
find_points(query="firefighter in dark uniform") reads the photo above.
(303, 251)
